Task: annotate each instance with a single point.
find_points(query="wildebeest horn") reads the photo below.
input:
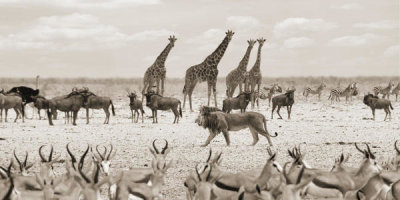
(97, 149)
(358, 148)
(41, 155)
(395, 147)
(154, 146)
(165, 147)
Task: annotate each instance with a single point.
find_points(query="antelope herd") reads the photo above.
(83, 179)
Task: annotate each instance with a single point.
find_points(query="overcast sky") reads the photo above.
(121, 38)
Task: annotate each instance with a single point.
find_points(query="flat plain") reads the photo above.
(323, 130)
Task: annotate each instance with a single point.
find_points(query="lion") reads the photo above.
(216, 122)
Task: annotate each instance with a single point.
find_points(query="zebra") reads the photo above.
(347, 92)
(384, 91)
(271, 91)
(318, 91)
(396, 90)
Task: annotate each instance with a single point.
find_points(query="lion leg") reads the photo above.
(210, 137)
(226, 136)
(254, 133)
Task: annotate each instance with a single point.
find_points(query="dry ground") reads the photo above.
(320, 127)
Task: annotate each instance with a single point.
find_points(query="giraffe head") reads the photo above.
(172, 39)
(251, 42)
(261, 41)
(229, 34)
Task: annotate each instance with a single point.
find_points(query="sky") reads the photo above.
(122, 38)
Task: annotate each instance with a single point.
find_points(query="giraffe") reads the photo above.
(255, 77)
(156, 72)
(237, 76)
(206, 71)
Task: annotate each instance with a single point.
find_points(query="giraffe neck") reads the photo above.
(256, 66)
(164, 54)
(245, 60)
(216, 56)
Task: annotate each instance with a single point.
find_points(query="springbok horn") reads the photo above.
(284, 173)
(358, 148)
(154, 146)
(51, 153)
(111, 149)
(269, 151)
(16, 158)
(165, 147)
(105, 152)
(197, 172)
(97, 149)
(96, 175)
(395, 147)
(70, 154)
(81, 165)
(41, 155)
(26, 158)
(370, 153)
(209, 155)
(209, 173)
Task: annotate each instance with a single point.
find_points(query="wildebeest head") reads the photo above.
(368, 98)
(247, 96)
(148, 95)
(290, 93)
(132, 96)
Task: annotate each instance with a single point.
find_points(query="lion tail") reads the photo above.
(266, 130)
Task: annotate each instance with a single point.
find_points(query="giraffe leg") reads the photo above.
(144, 89)
(258, 92)
(215, 93)
(162, 86)
(158, 86)
(209, 93)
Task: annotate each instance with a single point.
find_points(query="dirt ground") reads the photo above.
(324, 130)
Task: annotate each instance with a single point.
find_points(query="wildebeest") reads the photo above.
(71, 103)
(157, 102)
(374, 102)
(135, 105)
(239, 102)
(98, 102)
(40, 102)
(54, 113)
(26, 93)
(11, 101)
(286, 99)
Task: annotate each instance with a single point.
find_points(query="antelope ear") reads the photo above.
(167, 151)
(29, 166)
(152, 151)
(170, 164)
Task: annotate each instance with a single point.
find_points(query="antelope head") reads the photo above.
(104, 159)
(290, 190)
(252, 193)
(160, 156)
(90, 187)
(47, 185)
(369, 165)
(338, 166)
(46, 166)
(159, 172)
(23, 166)
(204, 186)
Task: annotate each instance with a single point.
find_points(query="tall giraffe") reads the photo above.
(255, 77)
(206, 71)
(237, 76)
(156, 72)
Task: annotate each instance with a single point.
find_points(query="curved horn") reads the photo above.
(395, 147)
(197, 172)
(26, 158)
(97, 149)
(209, 156)
(41, 155)
(358, 148)
(70, 154)
(111, 149)
(16, 158)
(154, 146)
(80, 166)
(51, 153)
(269, 151)
(370, 153)
(165, 147)
(285, 175)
